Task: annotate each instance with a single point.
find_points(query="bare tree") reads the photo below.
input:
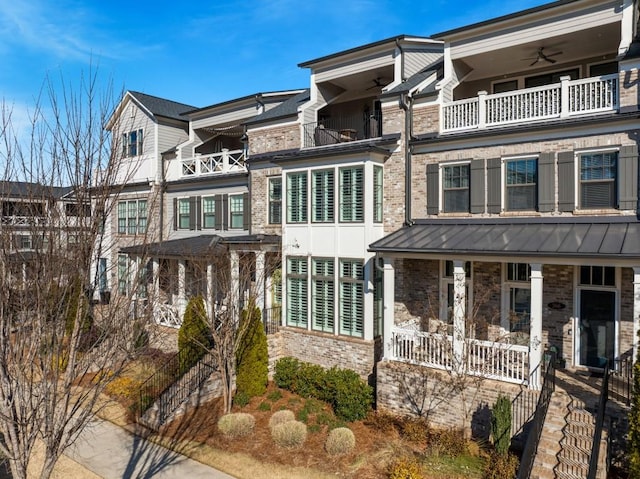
(57, 349)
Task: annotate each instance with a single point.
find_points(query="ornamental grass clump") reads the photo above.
(280, 417)
(237, 424)
(340, 441)
(290, 434)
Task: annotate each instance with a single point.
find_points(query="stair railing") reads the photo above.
(172, 384)
(533, 439)
(597, 436)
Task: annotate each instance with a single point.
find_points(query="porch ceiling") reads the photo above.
(599, 237)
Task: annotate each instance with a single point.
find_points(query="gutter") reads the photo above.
(406, 103)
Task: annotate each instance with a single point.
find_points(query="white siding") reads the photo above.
(169, 137)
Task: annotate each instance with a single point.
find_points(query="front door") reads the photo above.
(597, 327)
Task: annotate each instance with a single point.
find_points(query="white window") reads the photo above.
(236, 211)
(209, 212)
(132, 217)
(455, 188)
(447, 294)
(123, 274)
(184, 213)
(275, 200)
(322, 196)
(598, 175)
(297, 197)
(352, 194)
(132, 143)
(378, 192)
(322, 294)
(297, 292)
(521, 184)
(516, 316)
(351, 300)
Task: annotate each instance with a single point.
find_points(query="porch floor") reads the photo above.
(582, 385)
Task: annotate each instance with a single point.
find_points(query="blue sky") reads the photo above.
(204, 52)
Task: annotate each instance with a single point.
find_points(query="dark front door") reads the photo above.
(597, 327)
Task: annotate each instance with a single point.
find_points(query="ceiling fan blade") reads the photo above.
(535, 61)
(550, 60)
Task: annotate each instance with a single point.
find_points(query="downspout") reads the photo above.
(407, 106)
(399, 45)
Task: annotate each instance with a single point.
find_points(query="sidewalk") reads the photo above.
(113, 453)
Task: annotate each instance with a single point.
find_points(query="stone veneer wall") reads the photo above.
(328, 350)
(260, 200)
(558, 286)
(277, 138)
(394, 171)
(276, 350)
(420, 161)
(417, 289)
(412, 390)
(426, 119)
(629, 92)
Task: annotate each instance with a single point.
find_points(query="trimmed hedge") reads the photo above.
(349, 396)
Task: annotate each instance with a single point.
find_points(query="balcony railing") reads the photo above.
(226, 161)
(560, 100)
(23, 221)
(488, 359)
(332, 131)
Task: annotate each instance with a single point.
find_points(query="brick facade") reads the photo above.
(276, 138)
(259, 187)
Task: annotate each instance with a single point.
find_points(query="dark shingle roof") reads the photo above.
(592, 237)
(284, 109)
(161, 107)
(202, 245)
(416, 79)
(23, 189)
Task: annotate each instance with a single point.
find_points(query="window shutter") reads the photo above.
(192, 212)
(218, 213)
(198, 212)
(225, 212)
(175, 214)
(494, 186)
(566, 181)
(546, 183)
(246, 220)
(433, 189)
(477, 186)
(628, 177)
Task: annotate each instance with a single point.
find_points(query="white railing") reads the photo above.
(559, 100)
(167, 315)
(23, 220)
(488, 359)
(224, 162)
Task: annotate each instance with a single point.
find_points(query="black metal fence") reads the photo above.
(271, 318)
(602, 405)
(621, 379)
(343, 129)
(173, 383)
(533, 438)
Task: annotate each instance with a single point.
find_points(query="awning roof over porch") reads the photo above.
(201, 245)
(593, 237)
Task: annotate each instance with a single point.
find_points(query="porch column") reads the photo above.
(636, 309)
(260, 281)
(459, 314)
(155, 271)
(535, 324)
(182, 281)
(234, 293)
(210, 292)
(388, 300)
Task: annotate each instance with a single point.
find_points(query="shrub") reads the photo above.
(285, 372)
(340, 441)
(241, 399)
(290, 434)
(124, 387)
(415, 430)
(406, 468)
(500, 466)
(274, 395)
(310, 382)
(447, 442)
(349, 395)
(280, 417)
(264, 406)
(381, 421)
(237, 424)
(252, 358)
(633, 443)
(501, 424)
(140, 337)
(194, 336)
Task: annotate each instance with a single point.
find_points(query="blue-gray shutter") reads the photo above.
(494, 186)
(175, 214)
(225, 212)
(546, 183)
(192, 212)
(477, 186)
(433, 189)
(198, 212)
(566, 181)
(628, 177)
(218, 212)
(246, 214)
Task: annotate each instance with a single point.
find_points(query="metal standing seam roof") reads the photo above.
(615, 237)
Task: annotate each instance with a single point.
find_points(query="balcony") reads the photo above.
(332, 131)
(567, 99)
(227, 161)
(488, 359)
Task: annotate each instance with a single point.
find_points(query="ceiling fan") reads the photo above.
(377, 83)
(542, 56)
